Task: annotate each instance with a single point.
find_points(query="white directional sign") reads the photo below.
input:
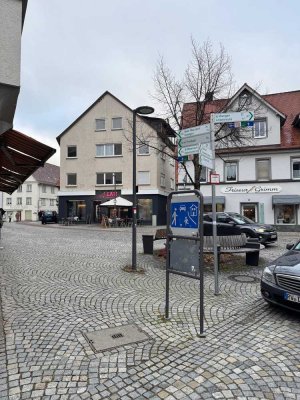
(205, 150)
(190, 139)
(193, 140)
(221, 118)
(185, 151)
(196, 130)
(206, 161)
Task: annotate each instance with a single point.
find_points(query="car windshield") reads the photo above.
(297, 247)
(240, 219)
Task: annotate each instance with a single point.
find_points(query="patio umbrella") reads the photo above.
(118, 201)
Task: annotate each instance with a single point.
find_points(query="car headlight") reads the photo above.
(259, 229)
(268, 275)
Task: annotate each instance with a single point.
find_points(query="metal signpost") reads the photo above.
(233, 119)
(185, 242)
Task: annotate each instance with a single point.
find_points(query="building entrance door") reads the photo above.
(28, 215)
(249, 210)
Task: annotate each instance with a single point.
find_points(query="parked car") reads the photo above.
(280, 282)
(264, 233)
(49, 216)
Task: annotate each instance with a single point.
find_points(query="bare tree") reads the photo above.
(208, 78)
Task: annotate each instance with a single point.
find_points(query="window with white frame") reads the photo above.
(52, 189)
(8, 201)
(116, 123)
(71, 179)
(19, 189)
(172, 184)
(162, 180)
(143, 149)
(108, 150)
(263, 169)
(100, 124)
(19, 201)
(28, 201)
(52, 202)
(29, 187)
(44, 189)
(107, 178)
(72, 151)
(143, 178)
(296, 168)
(260, 129)
(231, 168)
(43, 202)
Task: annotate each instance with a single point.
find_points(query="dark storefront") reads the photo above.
(151, 208)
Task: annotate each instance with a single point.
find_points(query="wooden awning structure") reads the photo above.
(20, 156)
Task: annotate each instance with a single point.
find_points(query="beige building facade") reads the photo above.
(96, 162)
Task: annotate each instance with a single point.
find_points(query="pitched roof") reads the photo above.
(289, 104)
(151, 120)
(286, 105)
(48, 174)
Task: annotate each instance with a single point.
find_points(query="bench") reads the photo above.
(234, 244)
(225, 244)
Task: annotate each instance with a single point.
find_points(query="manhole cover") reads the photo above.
(243, 278)
(111, 338)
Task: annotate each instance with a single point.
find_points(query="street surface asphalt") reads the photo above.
(60, 283)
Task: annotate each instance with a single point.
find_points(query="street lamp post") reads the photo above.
(143, 110)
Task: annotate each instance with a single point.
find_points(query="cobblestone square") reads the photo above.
(58, 283)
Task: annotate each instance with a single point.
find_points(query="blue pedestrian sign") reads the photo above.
(185, 215)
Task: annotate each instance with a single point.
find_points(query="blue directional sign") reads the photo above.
(185, 215)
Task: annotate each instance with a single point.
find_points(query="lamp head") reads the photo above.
(144, 110)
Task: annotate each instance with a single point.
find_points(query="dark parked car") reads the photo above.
(280, 282)
(264, 233)
(49, 216)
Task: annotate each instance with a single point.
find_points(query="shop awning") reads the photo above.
(286, 199)
(219, 200)
(20, 157)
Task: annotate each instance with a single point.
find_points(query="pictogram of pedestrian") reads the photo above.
(174, 216)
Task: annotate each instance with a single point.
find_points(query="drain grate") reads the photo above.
(117, 336)
(243, 278)
(111, 338)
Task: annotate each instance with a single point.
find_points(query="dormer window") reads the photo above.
(260, 129)
(245, 100)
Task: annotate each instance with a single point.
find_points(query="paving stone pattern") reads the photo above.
(60, 282)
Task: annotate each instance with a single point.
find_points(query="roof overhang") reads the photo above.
(286, 199)
(20, 156)
(219, 200)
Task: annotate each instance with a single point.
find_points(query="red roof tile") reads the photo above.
(288, 103)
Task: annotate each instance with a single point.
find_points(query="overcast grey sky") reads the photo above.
(74, 50)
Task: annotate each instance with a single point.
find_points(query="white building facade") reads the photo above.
(37, 193)
(96, 163)
(261, 178)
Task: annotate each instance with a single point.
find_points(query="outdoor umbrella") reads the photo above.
(118, 201)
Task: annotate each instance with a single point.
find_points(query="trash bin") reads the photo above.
(148, 244)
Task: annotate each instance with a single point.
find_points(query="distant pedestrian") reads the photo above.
(9, 218)
(44, 220)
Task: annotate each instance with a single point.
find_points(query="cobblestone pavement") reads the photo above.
(58, 283)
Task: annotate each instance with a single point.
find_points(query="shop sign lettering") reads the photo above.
(251, 189)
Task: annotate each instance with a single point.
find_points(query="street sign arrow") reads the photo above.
(184, 151)
(194, 140)
(220, 118)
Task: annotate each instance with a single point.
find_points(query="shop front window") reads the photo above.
(285, 214)
(76, 208)
(208, 207)
(145, 209)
